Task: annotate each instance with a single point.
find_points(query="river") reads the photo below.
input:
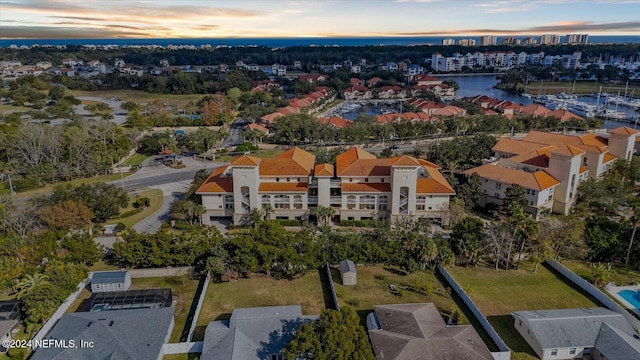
(484, 85)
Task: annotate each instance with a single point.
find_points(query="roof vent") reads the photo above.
(111, 323)
(389, 314)
(89, 324)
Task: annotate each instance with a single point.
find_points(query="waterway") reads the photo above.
(484, 85)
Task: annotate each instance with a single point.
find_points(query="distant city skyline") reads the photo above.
(50, 19)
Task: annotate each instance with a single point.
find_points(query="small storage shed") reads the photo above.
(348, 272)
(110, 281)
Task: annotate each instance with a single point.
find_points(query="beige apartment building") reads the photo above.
(358, 186)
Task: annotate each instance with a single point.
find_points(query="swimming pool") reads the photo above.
(631, 296)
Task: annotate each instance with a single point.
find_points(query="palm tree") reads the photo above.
(324, 213)
(267, 210)
(198, 211)
(29, 282)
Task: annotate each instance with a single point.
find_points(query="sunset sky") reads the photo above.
(309, 18)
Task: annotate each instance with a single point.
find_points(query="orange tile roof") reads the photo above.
(535, 110)
(539, 180)
(432, 186)
(538, 158)
(215, 183)
(435, 175)
(511, 146)
(294, 162)
(623, 130)
(608, 157)
(348, 157)
(246, 160)
(338, 122)
(583, 169)
(405, 160)
(305, 159)
(257, 127)
(283, 187)
(563, 115)
(589, 143)
(271, 117)
(568, 150)
(324, 170)
(366, 187)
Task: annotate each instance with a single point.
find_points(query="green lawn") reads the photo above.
(195, 356)
(20, 335)
(102, 266)
(590, 87)
(498, 293)
(4, 108)
(140, 96)
(48, 188)
(260, 290)
(621, 275)
(156, 198)
(84, 295)
(183, 294)
(135, 159)
(373, 289)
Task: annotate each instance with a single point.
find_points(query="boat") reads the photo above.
(583, 109)
(611, 114)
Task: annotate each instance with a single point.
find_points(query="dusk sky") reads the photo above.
(309, 18)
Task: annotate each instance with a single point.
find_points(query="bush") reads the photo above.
(183, 225)
(23, 184)
(359, 223)
(287, 222)
(120, 227)
(142, 202)
(353, 302)
(174, 280)
(247, 146)
(129, 213)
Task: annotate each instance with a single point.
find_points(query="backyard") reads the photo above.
(498, 293)
(373, 288)
(620, 275)
(260, 290)
(183, 290)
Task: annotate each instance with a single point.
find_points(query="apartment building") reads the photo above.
(358, 186)
(488, 40)
(551, 166)
(549, 39)
(578, 39)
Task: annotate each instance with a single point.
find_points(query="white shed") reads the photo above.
(348, 272)
(110, 281)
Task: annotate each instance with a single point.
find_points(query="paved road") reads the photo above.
(171, 192)
(235, 132)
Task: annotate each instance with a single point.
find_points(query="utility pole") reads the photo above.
(121, 176)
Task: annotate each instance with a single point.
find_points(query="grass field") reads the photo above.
(4, 108)
(84, 295)
(182, 357)
(621, 275)
(135, 160)
(580, 87)
(184, 294)
(48, 188)
(265, 154)
(102, 266)
(260, 290)
(156, 198)
(373, 289)
(140, 96)
(498, 293)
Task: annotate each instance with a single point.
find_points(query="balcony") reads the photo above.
(336, 199)
(312, 199)
(421, 201)
(367, 200)
(281, 201)
(335, 183)
(297, 200)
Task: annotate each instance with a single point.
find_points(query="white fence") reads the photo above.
(192, 328)
(161, 272)
(61, 310)
(504, 353)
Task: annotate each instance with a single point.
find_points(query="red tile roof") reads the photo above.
(538, 180)
(338, 122)
(324, 170)
(217, 183)
(623, 130)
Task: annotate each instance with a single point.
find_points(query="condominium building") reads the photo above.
(448, 41)
(550, 166)
(488, 40)
(578, 39)
(511, 41)
(549, 39)
(467, 42)
(358, 186)
(529, 41)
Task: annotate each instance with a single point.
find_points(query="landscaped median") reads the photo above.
(136, 212)
(498, 293)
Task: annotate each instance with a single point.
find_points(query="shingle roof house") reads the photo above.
(253, 333)
(418, 332)
(613, 344)
(136, 334)
(566, 333)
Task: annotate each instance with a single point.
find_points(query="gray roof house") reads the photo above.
(418, 332)
(613, 344)
(110, 281)
(253, 333)
(9, 319)
(119, 334)
(566, 333)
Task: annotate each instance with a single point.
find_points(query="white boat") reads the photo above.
(611, 114)
(583, 109)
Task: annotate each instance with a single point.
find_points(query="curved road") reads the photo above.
(119, 114)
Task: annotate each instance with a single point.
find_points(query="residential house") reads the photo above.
(414, 69)
(567, 333)
(337, 122)
(391, 92)
(253, 333)
(257, 127)
(373, 81)
(359, 186)
(551, 166)
(615, 344)
(357, 93)
(313, 78)
(418, 332)
(356, 69)
(356, 82)
(9, 320)
(133, 334)
(408, 116)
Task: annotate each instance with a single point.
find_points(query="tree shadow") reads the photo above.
(395, 271)
(326, 289)
(198, 333)
(279, 339)
(192, 310)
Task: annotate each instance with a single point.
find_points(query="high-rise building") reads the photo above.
(578, 38)
(549, 39)
(488, 40)
(530, 41)
(511, 41)
(467, 42)
(448, 41)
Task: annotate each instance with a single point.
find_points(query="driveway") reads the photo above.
(171, 192)
(235, 132)
(119, 114)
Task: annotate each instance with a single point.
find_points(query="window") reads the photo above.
(497, 195)
(298, 179)
(366, 179)
(572, 351)
(350, 179)
(530, 203)
(519, 322)
(554, 352)
(486, 180)
(381, 180)
(288, 179)
(528, 191)
(533, 192)
(498, 186)
(277, 179)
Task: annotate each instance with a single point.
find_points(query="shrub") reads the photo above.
(129, 213)
(120, 227)
(246, 146)
(359, 223)
(142, 202)
(353, 302)
(287, 222)
(174, 280)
